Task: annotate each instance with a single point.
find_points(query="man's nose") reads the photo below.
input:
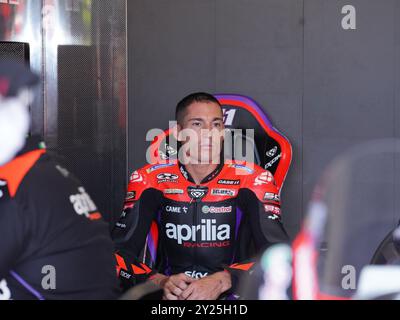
(207, 126)
(206, 132)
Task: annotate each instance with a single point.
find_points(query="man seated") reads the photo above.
(207, 208)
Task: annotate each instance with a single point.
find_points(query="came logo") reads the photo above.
(171, 209)
(207, 209)
(208, 230)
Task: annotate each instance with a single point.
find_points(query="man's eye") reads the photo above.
(196, 124)
(218, 124)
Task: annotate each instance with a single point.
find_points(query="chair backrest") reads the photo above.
(272, 150)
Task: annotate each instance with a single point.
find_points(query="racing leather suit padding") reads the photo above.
(196, 229)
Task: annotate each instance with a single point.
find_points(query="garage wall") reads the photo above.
(326, 88)
(79, 50)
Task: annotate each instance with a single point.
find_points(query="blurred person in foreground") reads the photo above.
(54, 244)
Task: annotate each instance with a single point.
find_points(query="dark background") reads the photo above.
(324, 87)
(78, 47)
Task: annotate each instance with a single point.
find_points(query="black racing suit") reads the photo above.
(54, 244)
(171, 226)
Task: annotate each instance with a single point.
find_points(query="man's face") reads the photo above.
(14, 125)
(202, 131)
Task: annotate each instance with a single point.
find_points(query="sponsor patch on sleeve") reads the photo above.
(136, 177)
(269, 196)
(264, 178)
(271, 209)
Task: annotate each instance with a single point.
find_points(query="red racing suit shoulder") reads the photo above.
(15, 171)
(260, 181)
(145, 178)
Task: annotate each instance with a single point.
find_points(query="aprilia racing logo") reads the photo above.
(207, 234)
(84, 206)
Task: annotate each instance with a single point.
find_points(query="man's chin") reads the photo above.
(212, 159)
(205, 157)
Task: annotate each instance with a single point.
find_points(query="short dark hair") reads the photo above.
(189, 100)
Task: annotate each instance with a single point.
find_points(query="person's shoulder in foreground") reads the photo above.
(52, 227)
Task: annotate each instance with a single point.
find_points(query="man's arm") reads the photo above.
(260, 203)
(265, 218)
(130, 233)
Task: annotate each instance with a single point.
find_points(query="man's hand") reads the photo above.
(159, 279)
(208, 288)
(174, 286)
